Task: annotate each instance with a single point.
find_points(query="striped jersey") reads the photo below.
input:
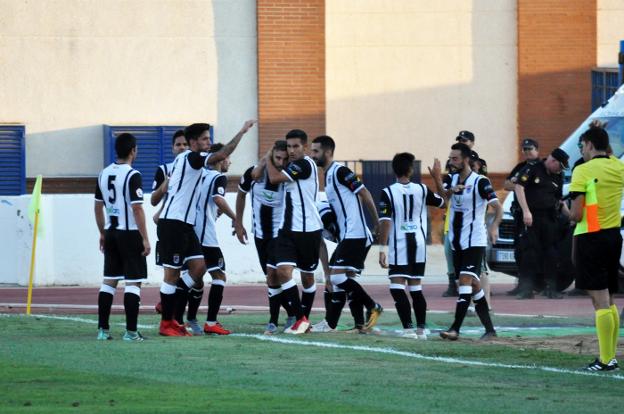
(469, 203)
(212, 186)
(300, 192)
(342, 187)
(118, 187)
(406, 206)
(266, 204)
(331, 231)
(183, 189)
(163, 171)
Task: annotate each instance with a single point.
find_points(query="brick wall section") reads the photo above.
(556, 51)
(291, 68)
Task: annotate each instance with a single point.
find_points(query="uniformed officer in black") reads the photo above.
(539, 191)
(530, 152)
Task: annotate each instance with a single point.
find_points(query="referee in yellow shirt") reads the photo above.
(596, 192)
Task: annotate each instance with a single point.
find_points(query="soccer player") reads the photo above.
(161, 178)
(596, 192)
(266, 206)
(348, 197)
(469, 195)
(210, 205)
(403, 241)
(179, 243)
(299, 235)
(123, 236)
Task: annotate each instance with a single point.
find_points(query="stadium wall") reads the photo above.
(610, 31)
(69, 66)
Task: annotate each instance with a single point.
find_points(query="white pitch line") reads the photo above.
(72, 319)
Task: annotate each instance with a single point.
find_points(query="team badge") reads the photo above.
(221, 190)
(139, 193)
(176, 258)
(221, 262)
(537, 180)
(524, 178)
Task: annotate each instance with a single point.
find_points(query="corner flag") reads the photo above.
(33, 215)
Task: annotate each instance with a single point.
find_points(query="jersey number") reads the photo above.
(111, 188)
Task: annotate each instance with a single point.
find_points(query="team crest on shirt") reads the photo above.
(524, 178)
(221, 262)
(221, 190)
(537, 180)
(139, 193)
(468, 189)
(176, 258)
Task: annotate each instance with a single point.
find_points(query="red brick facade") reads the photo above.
(291, 68)
(556, 52)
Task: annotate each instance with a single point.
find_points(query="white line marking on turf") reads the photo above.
(73, 319)
(414, 355)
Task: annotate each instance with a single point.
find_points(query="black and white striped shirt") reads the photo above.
(118, 187)
(300, 192)
(213, 185)
(183, 189)
(266, 204)
(467, 211)
(406, 206)
(342, 187)
(163, 171)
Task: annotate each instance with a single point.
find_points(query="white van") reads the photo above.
(500, 256)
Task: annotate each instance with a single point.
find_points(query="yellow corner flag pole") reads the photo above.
(33, 215)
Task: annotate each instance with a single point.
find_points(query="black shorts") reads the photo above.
(350, 254)
(266, 252)
(597, 260)
(123, 256)
(299, 249)
(214, 259)
(410, 271)
(468, 261)
(178, 243)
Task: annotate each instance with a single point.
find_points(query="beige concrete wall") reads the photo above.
(69, 66)
(407, 75)
(610, 31)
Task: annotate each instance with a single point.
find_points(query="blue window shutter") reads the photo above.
(12, 160)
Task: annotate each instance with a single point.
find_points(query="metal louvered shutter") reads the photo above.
(12, 160)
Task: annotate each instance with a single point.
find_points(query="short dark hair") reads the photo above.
(297, 133)
(280, 145)
(124, 144)
(193, 131)
(216, 147)
(598, 137)
(463, 148)
(402, 162)
(327, 142)
(179, 133)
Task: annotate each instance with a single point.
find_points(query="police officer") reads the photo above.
(530, 152)
(539, 190)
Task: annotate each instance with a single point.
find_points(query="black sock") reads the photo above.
(285, 302)
(275, 301)
(105, 303)
(307, 301)
(181, 297)
(358, 292)
(357, 311)
(168, 303)
(420, 307)
(483, 311)
(194, 300)
(131, 306)
(401, 302)
(214, 301)
(336, 302)
(460, 311)
(327, 301)
(291, 295)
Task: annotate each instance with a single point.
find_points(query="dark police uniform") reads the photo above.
(537, 243)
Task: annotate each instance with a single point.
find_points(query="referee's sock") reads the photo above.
(604, 331)
(167, 300)
(357, 311)
(350, 285)
(291, 295)
(402, 305)
(195, 295)
(215, 297)
(336, 304)
(307, 299)
(483, 310)
(461, 307)
(132, 300)
(420, 305)
(616, 328)
(105, 303)
(275, 301)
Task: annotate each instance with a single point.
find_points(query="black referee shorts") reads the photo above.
(468, 261)
(350, 254)
(298, 249)
(597, 260)
(266, 252)
(178, 243)
(123, 256)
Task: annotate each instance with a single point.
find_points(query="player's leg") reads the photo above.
(135, 269)
(419, 303)
(465, 292)
(450, 270)
(216, 267)
(308, 285)
(286, 260)
(113, 273)
(401, 301)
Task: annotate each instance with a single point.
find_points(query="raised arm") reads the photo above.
(229, 148)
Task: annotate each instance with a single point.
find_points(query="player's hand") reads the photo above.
(436, 170)
(240, 232)
(527, 218)
(146, 247)
(102, 243)
(493, 234)
(383, 260)
(247, 125)
(328, 284)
